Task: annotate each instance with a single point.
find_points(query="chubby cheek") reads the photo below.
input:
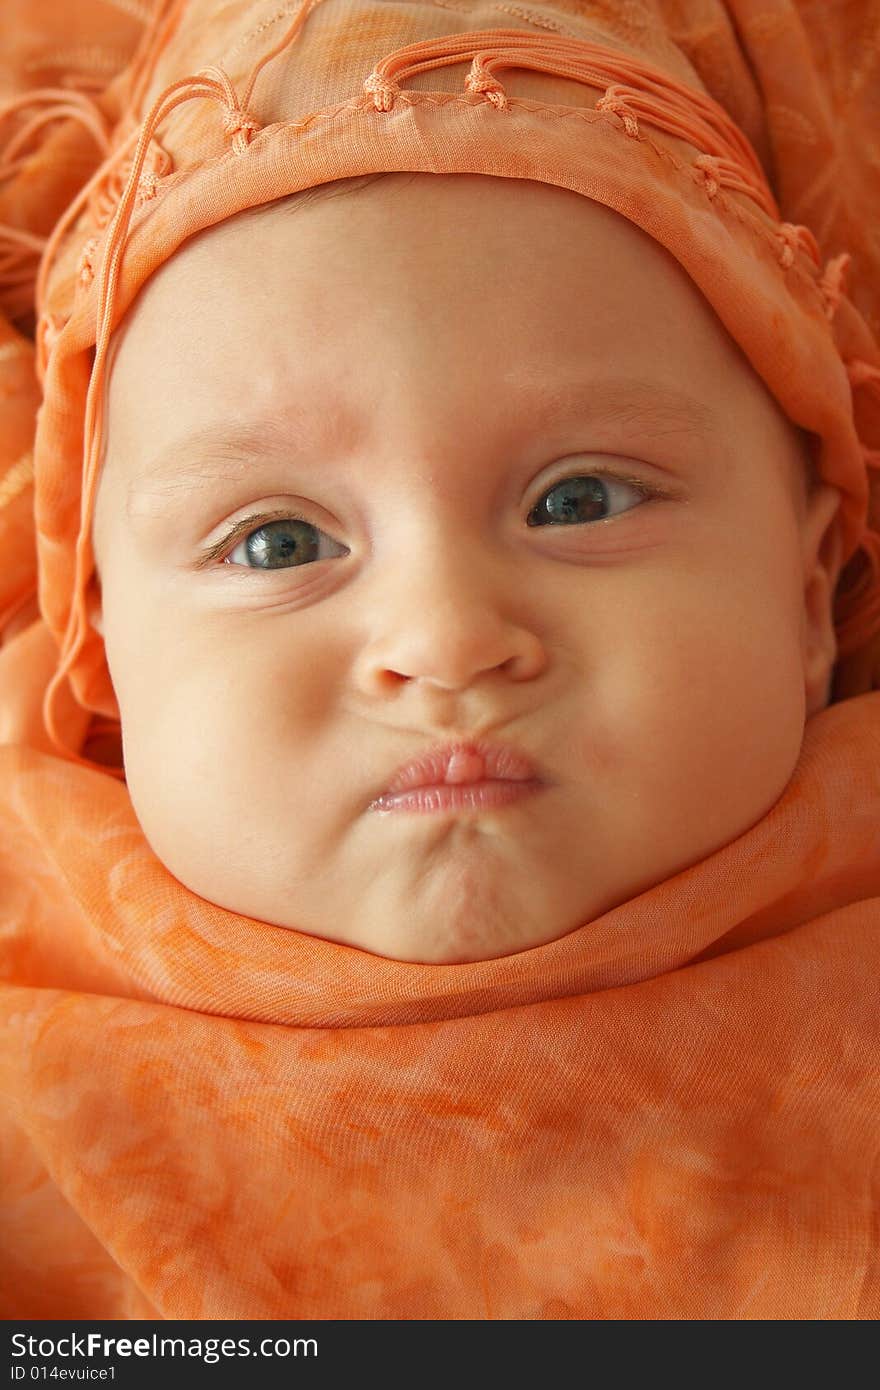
(697, 706)
(212, 721)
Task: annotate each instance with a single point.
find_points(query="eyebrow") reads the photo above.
(205, 453)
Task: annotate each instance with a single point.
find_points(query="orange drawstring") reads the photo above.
(66, 220)
(481, 82)
(19, 254)
(833, 282)
(630, 89)
(107, 191)
(237, 123)
(166, 16)
(20, 251)
(59, 103)
(795, 237)
(213, 83)
(285, 41)
(616, 101)
(14, 159)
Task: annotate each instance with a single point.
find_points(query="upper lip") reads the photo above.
(492, 761)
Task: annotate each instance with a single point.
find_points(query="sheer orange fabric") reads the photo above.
(671, 1112)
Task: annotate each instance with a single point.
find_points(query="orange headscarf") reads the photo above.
(669, 1113)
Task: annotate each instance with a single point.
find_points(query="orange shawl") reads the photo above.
(669, 1113)
(672, 1111)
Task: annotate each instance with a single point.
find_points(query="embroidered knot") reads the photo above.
(707, 165)
(615, 101)
(797, 238)
(832, 285)
(106, 196)
(787, 235)
(240, 126)
(482, 83)
(383, 91)
(148, 185)
(85, 268)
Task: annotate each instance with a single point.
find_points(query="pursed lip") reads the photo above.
(464, 762)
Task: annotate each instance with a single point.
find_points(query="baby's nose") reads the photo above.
(449, 625)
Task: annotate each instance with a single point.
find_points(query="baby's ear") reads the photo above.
(94, 604)
(822, 554)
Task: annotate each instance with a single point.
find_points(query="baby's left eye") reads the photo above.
(284, 543)
(583, 498)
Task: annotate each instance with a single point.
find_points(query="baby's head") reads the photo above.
(450, 458)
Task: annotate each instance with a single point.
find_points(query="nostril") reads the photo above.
(394, 678)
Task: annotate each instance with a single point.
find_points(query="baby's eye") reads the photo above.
(584, 498)
(287, 542)
(282, 544)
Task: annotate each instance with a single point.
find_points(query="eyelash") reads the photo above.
(243, 528)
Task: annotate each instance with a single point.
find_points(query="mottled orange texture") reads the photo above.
(598, 1126)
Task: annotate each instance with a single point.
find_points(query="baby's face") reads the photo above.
(520, 485)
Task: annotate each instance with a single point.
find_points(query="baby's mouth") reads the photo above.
(463, 775)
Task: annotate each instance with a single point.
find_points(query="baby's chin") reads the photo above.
(474, 914)
(444, 943)
(481, 919)
(449, 941)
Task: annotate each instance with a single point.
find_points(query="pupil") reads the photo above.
(576, 499)
(274, 544)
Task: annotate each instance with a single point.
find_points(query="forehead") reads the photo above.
(419, 289)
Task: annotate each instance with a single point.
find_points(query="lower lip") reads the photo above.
(474, 796)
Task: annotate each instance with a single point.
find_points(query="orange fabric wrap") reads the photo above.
(672, 1111)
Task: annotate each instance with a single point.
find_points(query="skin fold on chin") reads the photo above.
(491, 513)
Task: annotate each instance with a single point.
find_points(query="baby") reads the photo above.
(453, 464)
(483, 924)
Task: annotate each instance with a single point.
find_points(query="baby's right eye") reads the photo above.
(281, 543)
(587, 497)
